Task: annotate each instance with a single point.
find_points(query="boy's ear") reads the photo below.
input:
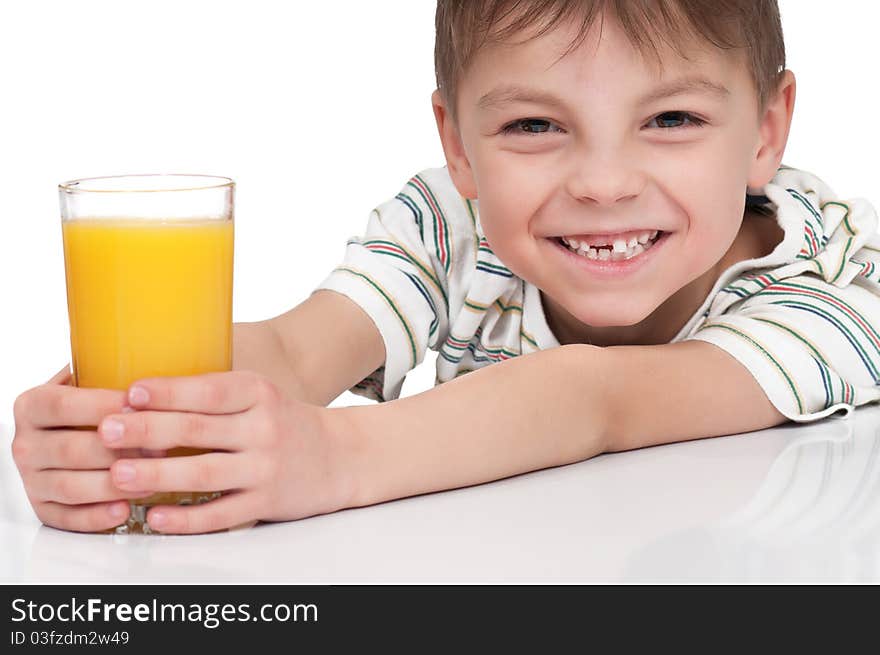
(456, 159)
(773, 130)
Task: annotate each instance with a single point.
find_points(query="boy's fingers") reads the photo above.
(71, 449)
(163, 430)
(211, 393)
(77, 487)
(229, 511)
(64, 406)
(83, 518)
(206, 472)
(61, 377)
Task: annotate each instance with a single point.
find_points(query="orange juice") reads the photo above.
(148, 298)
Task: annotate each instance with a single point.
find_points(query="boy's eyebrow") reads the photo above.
(507, 93)
(513, 93)
(686, 85)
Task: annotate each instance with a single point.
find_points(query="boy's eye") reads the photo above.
(668, 120)
(530, 126)
(675, 117)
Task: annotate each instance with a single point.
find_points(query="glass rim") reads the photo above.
(212, 182)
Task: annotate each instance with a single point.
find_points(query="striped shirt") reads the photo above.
(804, 319)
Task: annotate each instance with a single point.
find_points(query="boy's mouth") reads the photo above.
(614, 247)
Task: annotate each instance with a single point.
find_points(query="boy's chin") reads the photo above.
(608, 315)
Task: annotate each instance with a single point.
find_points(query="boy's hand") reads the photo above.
(274, 458)
(65, 470)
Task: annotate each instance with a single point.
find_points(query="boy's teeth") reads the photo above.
(618, 251)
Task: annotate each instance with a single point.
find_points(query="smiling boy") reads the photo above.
(587, 267)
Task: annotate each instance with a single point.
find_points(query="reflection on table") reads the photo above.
(796, 503)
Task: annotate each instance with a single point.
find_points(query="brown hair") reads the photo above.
(464, 26)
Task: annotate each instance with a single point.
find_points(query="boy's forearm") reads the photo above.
(257, 347)
(532, 412)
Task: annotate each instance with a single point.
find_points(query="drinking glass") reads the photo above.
(148, 262)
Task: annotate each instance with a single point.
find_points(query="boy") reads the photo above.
(590, 237)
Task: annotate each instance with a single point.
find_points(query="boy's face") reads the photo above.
(575, 147)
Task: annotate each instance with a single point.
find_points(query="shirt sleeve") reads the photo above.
(398, 273)
(811, 339)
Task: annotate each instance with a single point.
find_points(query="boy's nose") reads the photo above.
(604, 180)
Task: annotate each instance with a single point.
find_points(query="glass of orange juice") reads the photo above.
(148, 261)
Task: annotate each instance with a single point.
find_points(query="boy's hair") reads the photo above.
(464, 26)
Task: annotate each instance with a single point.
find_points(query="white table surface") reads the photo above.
(794, 504)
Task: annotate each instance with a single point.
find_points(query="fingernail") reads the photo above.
(124, 472)
(138, 396)
(112, 430)
(156, 519)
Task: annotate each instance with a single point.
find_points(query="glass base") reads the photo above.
(137, 517)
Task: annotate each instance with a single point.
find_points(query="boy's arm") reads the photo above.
(257, 347)
(313, 352)
(546, 409)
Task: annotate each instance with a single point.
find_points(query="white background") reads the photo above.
(319, 111)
